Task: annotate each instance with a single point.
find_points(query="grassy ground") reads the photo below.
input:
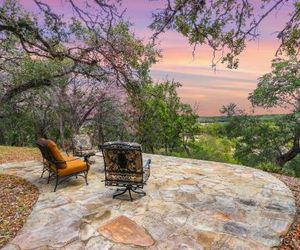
(14, 154)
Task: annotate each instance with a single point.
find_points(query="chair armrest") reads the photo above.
(147, 164)
(146, 170)
(87, 157)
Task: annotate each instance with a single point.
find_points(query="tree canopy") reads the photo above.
(227, 26)
(95, 43)
(276, 141)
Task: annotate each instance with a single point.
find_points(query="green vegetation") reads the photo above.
(90, 74)
(221, 118)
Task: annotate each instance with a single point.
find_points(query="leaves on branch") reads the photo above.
(225, 26)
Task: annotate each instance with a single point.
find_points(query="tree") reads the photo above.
(95, 43)
(281, 88)
(226, 26)
(276, 140)
(81, 98)
(160, 120)
(229, 110)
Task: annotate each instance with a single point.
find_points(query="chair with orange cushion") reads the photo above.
(61, 166)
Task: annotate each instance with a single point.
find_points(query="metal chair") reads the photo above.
(60, 166)
(124, 167)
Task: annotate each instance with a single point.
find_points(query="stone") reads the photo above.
(247, 202)
(97, 243)
(235, 229)
(280, 206)
(221, 216)
(126, 231)
(11, 247)
(76, 245)
(190, 204)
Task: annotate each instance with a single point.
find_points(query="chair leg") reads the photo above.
(85, 177)
(123, 191)
(129, 188)
(43, 171)
(130, 194)
(56, 183)
(138, 191)
(49, 177)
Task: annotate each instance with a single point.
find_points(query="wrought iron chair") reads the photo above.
(124, 167)
(60, 166)
(82, 145)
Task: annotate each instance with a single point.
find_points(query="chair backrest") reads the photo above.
(123, 163)
(82, 142)
(51, 153)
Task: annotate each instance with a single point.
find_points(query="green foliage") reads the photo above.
(212, 148)
(259, 141)
(293, 167)
(269, 167)
(226, 26)
(280, 87)
(95, 43)
(208, 144)
(161, 120)
(271, 143)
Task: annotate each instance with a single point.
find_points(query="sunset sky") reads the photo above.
(200, 84)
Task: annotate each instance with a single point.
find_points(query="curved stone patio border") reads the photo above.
(189, 204)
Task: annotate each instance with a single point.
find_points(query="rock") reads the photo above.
(280, 206)
(97, 243)
(123, 230)
(221, 216)
(77, 245)
(247, 202)
(235, 229)
(190, 204)
(11, 247)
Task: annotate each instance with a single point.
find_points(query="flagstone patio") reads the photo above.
(190, 204)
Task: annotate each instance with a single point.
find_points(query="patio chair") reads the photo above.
(82, 145)
(124, 167)
(62, 167)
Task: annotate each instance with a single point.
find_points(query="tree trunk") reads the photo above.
(100, 134)
(99, 126)
(62, 132)
(187, 150)
(291, 154)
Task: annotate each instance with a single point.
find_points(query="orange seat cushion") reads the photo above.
(73, 166)
(56, 153)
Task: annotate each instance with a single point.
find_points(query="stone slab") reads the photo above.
(190, 204)
(126, 231)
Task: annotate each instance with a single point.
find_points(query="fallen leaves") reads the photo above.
(291, 241)
(17, 197)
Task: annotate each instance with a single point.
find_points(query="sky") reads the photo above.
(201, 85)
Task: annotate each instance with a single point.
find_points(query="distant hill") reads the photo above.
(220, 119)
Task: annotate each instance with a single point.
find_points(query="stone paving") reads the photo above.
(190, 204)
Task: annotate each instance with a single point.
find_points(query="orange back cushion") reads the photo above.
(56, 153)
